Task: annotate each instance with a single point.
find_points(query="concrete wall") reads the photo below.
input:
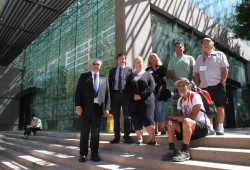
(133, 29)
(10, 85)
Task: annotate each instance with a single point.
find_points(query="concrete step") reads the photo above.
(35, 149)
(211, 154)
(153, 162)
(47, 139)
(225, 141)
(68, 138)
(225, 155)
(28, 160)
(9, 164)
(59, 148)
(217, 152)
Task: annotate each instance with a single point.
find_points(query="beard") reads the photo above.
(182, 94)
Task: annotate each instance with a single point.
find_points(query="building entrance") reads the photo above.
(26, 98)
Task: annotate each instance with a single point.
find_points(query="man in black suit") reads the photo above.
(92, 101)
(117, 80)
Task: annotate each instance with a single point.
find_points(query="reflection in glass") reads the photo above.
(55, 60)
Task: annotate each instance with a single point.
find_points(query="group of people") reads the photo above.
(137, 94)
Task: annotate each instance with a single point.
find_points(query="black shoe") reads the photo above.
(139, 142)
(163, 133)
(169, 155)
(152, 143)
(115, 140)
(127, 116)
(83, 158)
(128, 140)
(95, 158)
(132, 131)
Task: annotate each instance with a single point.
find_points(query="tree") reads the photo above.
(240, 22)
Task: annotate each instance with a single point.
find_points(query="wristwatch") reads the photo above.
(223, 81)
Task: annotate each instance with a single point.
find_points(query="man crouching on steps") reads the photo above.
(189, 123)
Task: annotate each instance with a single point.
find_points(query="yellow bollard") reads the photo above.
(110, 123)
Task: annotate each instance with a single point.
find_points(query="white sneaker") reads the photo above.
(210, 131)
(220, 132)
(181, 156)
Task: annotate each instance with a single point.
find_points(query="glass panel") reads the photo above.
(165, 33)
(237, 71)
(219, 10)
(242, 107)
(55, 60)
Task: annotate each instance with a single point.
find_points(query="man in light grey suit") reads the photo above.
(92, 101)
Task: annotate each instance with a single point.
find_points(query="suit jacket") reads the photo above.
(145, 88)
(127, 71)
(84, 94)
(159, 75)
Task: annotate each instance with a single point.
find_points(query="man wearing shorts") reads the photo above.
(210, 74)
(188, 124)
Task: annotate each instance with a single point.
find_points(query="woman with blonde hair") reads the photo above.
(140, 90)
(159, 74)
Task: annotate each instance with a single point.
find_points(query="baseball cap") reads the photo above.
(184, 79)
(206, 39)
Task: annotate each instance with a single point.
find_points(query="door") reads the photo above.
(26, 99)
(229, 109)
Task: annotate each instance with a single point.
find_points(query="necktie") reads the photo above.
(95, 86)
(120, 79)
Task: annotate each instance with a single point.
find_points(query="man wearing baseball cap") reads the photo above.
(188, 124)
(210, 74)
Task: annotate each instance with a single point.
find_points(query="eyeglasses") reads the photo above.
(95, 64)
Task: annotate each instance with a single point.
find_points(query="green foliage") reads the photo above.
(240, 22)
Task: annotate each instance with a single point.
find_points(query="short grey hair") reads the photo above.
(96, 60)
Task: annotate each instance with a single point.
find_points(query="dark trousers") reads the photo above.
(218, 94)
(90, 122)
(29, 130)
(119, 99)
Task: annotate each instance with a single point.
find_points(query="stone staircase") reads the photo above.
(60, 150)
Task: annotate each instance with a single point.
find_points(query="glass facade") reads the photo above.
(55, 60)
(219, 10)
(165, 33)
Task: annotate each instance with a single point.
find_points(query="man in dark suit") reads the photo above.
(117, 80)
(92, 101)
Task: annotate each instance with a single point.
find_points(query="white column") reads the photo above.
(133, 29)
